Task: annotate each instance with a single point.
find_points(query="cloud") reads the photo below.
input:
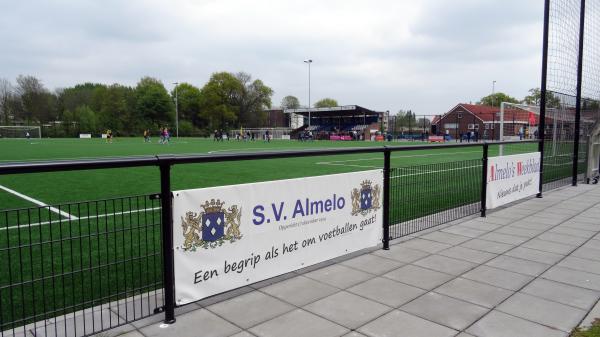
(386, 55)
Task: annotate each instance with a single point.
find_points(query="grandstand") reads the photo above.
(345, 120)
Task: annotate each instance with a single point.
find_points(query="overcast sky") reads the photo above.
(424, 55)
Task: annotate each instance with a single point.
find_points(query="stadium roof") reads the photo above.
(346, 110)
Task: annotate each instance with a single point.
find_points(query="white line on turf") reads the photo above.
(39, 203)
(81, 218)
(431, 172)
(341, 162)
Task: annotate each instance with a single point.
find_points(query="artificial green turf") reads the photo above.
(77, 264)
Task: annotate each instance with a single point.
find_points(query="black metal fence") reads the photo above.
(79, 268)
(105, 263)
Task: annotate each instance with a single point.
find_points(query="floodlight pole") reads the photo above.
(176, 112)
(309, 61)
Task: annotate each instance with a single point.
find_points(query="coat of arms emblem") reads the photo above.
(365, 199)
(211, 227)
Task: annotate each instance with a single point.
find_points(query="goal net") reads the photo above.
(20, 131)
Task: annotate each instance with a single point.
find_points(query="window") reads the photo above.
(487, 126)
(451, 126)
(460, 115)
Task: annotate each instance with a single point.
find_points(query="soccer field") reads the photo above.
(98, 240)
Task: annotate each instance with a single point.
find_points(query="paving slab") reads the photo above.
(467, 254)
(464, 231)
(562, 293)
(498, 324)
(504, 238)
(548, 246)
(451, 239)
(498, 277)
(445, 310)
(594, 243)
(299, 290)
(573, 277)
(534, 255)
(445, 264)
(518, 265)
(487, 246)
(482, 225)
(373, 264)
(243, 334)
(475, 292)
(386, 291)
(250, 309)
(545, 312)
(419, 277)
(339, 276)
(524, 232)
(428, 246)
(587, 253)
(298, 323)
(348, 310)
(402, 324)
(400, 253)
(572, 231)
(562, 238)
(578, 263)
(198, 322)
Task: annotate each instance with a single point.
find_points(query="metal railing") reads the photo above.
(119, 252)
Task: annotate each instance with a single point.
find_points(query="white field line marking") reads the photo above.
(431, 172)
(81, 218)
(39, 203)
(339, 162)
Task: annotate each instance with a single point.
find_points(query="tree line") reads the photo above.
(226, 101)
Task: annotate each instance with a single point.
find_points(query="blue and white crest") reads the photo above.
(365, 199)
(211, 228)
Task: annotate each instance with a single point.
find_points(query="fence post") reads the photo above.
(484, 179)
(167, 241)
(578, 98)
(386, 198)
(543, 94)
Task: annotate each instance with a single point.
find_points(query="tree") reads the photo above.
(496, 99)
(189, 100)
(405, 120)
(218, 100)
(153, 102)
(535, 96)
(117, 104)
(290, 102)
(7, 101)
(37, 102)
(253, 99)
(326, 103)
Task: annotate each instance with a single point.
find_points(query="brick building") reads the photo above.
(484, 120)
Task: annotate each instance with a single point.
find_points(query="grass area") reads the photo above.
(110, 248)
(592, 331)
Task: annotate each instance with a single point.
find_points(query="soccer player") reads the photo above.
(28, 135)
(109, 136)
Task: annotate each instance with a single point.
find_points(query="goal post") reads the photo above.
(11, 131)
(517, 122)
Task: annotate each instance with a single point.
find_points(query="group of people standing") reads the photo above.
(165, 136)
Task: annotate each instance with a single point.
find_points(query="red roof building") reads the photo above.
(484, 121)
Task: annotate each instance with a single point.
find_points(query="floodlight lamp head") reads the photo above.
(308, 61)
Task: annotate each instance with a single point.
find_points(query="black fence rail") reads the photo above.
(425, 196)
(79, 268)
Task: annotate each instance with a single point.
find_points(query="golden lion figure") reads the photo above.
(191, 228)
(375, 194)
(355, 201)
(233, 220)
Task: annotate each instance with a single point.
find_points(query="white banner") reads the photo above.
(510, 178)
(230, 236)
